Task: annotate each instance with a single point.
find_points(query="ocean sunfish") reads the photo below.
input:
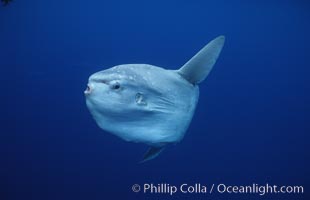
(148, 104)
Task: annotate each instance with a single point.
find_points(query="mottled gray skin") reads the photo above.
(152, 105)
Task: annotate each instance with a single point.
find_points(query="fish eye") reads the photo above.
(116, 86)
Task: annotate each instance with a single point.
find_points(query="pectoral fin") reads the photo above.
(151, 153)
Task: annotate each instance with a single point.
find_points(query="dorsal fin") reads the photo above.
(199, 66)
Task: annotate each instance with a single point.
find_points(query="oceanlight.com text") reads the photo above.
(221, 188)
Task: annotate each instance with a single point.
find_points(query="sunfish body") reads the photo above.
(148, 104)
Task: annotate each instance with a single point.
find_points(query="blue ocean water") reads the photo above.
(252, 120)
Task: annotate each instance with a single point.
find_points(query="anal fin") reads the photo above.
(151, 153)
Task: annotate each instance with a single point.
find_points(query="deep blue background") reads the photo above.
(252, 121)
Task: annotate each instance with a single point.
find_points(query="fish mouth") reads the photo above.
(88, 90)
